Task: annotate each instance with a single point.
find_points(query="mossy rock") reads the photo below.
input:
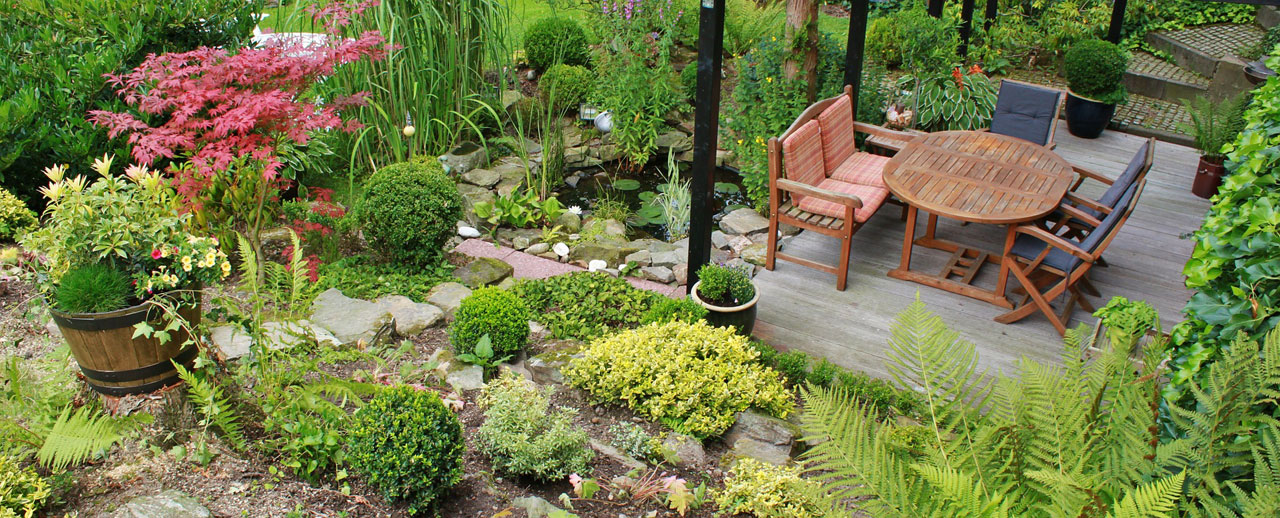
(484, 271)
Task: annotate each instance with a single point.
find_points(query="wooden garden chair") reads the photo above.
(1079, 214)
(1048, 265)
(827, 186)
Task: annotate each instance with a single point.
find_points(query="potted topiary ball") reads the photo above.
(729, 296)
(1095, 74)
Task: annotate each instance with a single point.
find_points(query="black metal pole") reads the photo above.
(1117, 20)
(854, 48)
(990, 17)
(966, 27)
(706, 128)
(935, 8)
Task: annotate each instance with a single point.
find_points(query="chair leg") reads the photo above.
(1088, 287)
(842, 271)
(1038, 302)
(770, 257)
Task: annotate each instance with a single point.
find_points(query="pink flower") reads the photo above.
(157, 254)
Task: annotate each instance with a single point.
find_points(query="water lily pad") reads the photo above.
(727, 188)
(650, 214)
(647, 196)
(626, 184)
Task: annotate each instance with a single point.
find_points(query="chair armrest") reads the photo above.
(1086, 173)
(1077, 200)
(1055, 241)
(1081, 215)
(881, 131)
(795, 187)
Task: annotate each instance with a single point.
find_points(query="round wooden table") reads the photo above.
(973, 176)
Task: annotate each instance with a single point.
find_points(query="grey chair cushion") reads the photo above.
(1028, 247)
(1025, 111)
(1127, 178)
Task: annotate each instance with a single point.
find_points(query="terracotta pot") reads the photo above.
(741, 318)
(1208, 177)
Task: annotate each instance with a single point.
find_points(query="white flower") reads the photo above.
(575, 210)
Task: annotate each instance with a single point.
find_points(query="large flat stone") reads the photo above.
(350, 320)
(743, 221)
(411, 318)
(484, 271)
(448, 297)
(166, 504)
(230, 341)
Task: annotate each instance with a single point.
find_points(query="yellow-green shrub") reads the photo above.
(767, 491)
(14, 216)
(692, 377)
(22, 491)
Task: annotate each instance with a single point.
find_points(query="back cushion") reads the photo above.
(1025, 111)
(1137, 167)
(837, 132)
(802, 155)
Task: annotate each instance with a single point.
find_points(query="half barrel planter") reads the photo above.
(114, 362)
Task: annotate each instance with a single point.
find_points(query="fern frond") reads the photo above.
(215, 409)
(961, 494)
(1153, 500)
(248, 260)
(76, 436)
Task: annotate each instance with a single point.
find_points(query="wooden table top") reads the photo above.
(978, 176)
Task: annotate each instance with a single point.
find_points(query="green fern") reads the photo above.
(76, 436)
(1154, 500)
(215, 409)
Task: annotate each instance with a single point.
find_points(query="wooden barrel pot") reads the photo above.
(113, 361)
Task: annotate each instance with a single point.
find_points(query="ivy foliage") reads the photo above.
(1235, 267)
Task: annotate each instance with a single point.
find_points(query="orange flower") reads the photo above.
(975, 69)
(959, 77)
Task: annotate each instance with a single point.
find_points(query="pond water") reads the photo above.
(637, 190)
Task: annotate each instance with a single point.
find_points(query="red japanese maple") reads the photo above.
(219, 106)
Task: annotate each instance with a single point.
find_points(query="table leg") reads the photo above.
(908, 241)
(1002, 281)
(931, 227)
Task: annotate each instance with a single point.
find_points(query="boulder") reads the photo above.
(484, 271)
(641, 258)
(230, 341)
(510, 97)
(411, 318)
(681, 273)
(667, 259)
(284, 334)
(763, 438)
(625, 460)
(448, 296)
(350, 320)
(545, 367)
(569, 222)
(754, 254)
(471, 195)
(687, 450)
(607, 251)
(506, 187)
(465, 157)
(719, 239)
(560, 249)
(468, 377)
(743, 221)
(609, 152)
(658, 274)
(481, 177)
(674, 140)
(166, 504)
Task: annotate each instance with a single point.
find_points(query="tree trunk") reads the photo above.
(802, 39)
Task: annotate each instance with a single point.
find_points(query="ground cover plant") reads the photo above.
(525, 437)
(584, 305)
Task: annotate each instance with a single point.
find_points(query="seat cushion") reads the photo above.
(1137, 167)
(862, 168)
(837, 132)
(1029, 248)
(872, 198)
(1025, 111)
(802, 156)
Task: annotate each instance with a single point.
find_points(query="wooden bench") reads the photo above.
(829, 186)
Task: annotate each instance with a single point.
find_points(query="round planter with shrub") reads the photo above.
(1095, 74)
(409, 211)
(495, 312)
(555, 40)
(729, 296)
(408, 445)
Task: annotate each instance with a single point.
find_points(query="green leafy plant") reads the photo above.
(1095, 69)
(362, 277)
(725, 285)
(912, 39)
(673, 310)
(554, 40)
(1057, 440)
(1214, 124)
(78, 435)
(692, 377)
(1127, 320)
(483, 355)
(525, 437)
(767, 491)
(216, 410)
(409, 211)
(408, 445)
(15, 217)
(638, 113)
(93, 288)
(520, 209)
(584, 305)
(490, 312)
(566, 86)
(631, 439)
(22, 491)
(793, 365)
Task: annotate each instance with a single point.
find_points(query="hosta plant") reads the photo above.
(961, 100)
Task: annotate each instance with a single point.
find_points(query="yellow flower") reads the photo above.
(103, 165)
(186, 263)
(768, 79)
(226, 268)
(739, 142)
(773, 38)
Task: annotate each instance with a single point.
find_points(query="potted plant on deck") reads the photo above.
(1095, 74)
(115, 254)
(1213, 125)
(729, 296)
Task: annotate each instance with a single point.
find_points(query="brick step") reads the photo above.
(1201, 49)
(1153, 77)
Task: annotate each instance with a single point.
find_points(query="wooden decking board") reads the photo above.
(800, 308)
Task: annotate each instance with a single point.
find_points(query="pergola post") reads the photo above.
(966, 27)
(854, 47)
(1117, 20)
(992, 6)
(935, 8)
(706, 128)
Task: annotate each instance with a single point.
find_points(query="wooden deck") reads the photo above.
(800, 308)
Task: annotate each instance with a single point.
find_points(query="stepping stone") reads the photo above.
(743, 221)
(448, 296)
(166, 504)
(411, 318)
(350, 320)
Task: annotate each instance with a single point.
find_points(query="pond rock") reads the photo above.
(719, 239)
(569, 222)
(681, 273)
(510, 97)
(641, 258)
(743, 221)
(465, 157)
(658, 274)
(611, 252)
(448, 296)
(754, 254)
(537, 249)
(481, 177)
(166, 504)
(506, 187)
(483, 271)
(674, 140)
(350, 320)
(667, 259)
(609, 152)
(411, 318)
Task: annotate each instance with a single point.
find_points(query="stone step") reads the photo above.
(1268, 16)
(1150, 76)
(1201, 49)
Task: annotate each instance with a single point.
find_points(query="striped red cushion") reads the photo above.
(837, 132)
(862, 168)
(802, 155)
(872, 198)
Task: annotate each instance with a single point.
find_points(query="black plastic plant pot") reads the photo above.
(741, 318)
(1086, 118)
